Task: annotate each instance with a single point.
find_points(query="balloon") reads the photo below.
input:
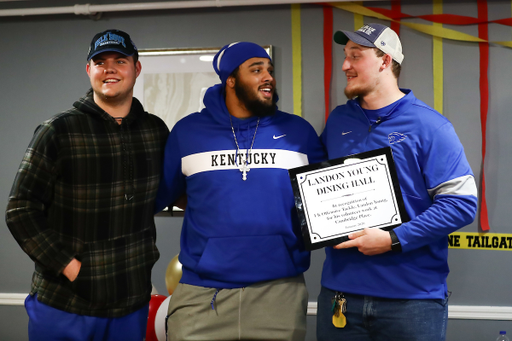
(161, 314)
(154, 304)
(173, 274)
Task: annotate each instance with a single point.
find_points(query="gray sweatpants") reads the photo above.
(273, 310)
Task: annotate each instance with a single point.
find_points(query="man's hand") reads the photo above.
(368, 241)
(72, 269)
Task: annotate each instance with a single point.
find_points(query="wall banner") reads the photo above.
(480, 241)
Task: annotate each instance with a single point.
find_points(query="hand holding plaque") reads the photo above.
(369, 242)
(337, 197)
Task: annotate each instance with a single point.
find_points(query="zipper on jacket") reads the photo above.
(376, 122)
(127, 162)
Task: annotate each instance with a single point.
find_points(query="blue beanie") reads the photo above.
(233, 55)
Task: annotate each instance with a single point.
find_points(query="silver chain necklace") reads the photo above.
(244, 164)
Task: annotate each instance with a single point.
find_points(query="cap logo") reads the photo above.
(222, 54)
(109, 38)
(383, 43)
(368, 30)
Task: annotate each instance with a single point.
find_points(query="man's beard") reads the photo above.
(252, 103)
(353, 93)
(361, 91)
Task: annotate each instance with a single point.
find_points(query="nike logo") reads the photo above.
(346, 132)
(278, 137)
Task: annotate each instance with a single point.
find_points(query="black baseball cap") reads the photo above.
(111, 41)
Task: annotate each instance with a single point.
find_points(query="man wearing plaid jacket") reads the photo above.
(82, 205)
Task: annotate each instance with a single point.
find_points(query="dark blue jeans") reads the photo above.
(381, 319)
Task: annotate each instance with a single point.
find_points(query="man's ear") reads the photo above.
(387, 61)
(138, 68)
(230, 82)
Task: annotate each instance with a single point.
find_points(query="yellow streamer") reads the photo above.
(296, 60)
(437, 64)
(480, 241)
(504, 43)
(358, 9)
(358, 19)
(443, 32)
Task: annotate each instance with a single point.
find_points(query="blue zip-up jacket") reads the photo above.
(235, 232)
(438, 188)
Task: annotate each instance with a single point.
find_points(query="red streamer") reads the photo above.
(483, 33)
(396, 8)
(449, 19)
(328, 38)
(506, 22)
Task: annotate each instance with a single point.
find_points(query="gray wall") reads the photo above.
(43, 72)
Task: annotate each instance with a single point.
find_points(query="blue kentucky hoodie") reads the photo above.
(237, 232)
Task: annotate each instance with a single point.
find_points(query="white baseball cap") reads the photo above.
(374, 35)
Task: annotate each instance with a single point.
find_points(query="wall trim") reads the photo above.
(460, 312)
(12, 299)
(474, 312)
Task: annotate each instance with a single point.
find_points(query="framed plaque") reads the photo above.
(337, 197)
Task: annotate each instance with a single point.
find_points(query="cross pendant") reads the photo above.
(244, 168)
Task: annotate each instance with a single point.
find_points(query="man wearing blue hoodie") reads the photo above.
(392, 285)
(241, 248)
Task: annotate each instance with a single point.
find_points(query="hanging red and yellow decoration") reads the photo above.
(438, 32)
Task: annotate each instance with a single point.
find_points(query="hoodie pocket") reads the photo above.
(117, 269)
(244, 260)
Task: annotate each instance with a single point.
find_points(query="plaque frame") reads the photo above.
(301, 200)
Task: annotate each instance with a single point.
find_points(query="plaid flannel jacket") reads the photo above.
(85, 189)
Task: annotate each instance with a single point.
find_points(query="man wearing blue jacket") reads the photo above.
(241, 247)
(393, 284)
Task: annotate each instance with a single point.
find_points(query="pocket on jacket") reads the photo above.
(117, 269)
(247, 259)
